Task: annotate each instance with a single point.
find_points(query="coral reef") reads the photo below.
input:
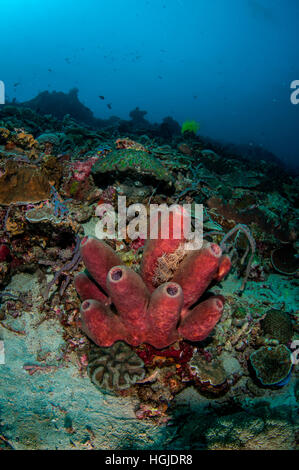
(41, 214)
(23, 184)
(59, 104)
(147, 313)
(53, 169)
(81, 170)
(127, 143)
(4, 252)
(48, 142)
(285, 260)
(137, 116)
(115, 368)
(136, 163)
(209, 376)
(243, 432)
(278, 325)
(272, 365)
(232, 388)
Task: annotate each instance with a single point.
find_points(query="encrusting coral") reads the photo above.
(147, 313)
(129, 161)
(212, 372)
(23, 184)
(272, 365)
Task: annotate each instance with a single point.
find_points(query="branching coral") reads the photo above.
(68, 267)
(59, 206)
(147, 313)
(240, 228)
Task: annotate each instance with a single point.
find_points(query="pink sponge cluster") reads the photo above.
(81, 169)
(119, 304)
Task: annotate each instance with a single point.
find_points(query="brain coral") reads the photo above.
(132, 162)
(272, 365)
(115, 368)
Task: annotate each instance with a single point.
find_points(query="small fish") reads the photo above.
(67, 60)
(16, 84)
(109, 106)
(160, 77)
(101, 97)
(49, 70)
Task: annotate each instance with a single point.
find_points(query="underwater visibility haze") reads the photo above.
(112, 338)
